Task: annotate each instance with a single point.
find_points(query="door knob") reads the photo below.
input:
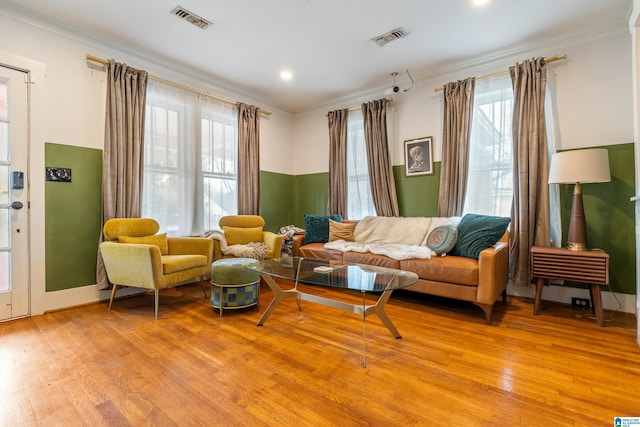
(16, 205)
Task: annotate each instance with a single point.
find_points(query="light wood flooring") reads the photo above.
(87, 366)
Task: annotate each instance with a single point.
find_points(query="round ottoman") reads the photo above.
(233, 285)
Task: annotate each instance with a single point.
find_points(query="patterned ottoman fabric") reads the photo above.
(234, 297)
(233, 285)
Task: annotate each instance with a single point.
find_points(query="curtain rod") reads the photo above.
(501, 72)
(104, 62)
(357, 107)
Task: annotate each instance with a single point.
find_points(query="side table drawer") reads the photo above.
(577, 267)
(591, 267)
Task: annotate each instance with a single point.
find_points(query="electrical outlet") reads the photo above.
(580, 302)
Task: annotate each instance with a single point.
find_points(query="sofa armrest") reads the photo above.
(493, 270)
(273, 241)
(296, 243)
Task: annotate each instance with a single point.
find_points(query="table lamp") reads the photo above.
(579, 167)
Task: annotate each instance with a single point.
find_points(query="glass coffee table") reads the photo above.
(359, 277)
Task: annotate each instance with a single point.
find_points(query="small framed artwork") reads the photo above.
(418, 158)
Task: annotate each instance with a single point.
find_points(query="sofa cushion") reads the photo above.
(318, 251)
(449, 269)
(438, 221)
(477, 233)
(317, 228)
(442, 239)
(371, 259)
(341, 231)
(242, 235)
(160, 240)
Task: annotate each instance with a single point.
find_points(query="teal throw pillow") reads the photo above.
(477, 233)
(316, 228)
(442, 239)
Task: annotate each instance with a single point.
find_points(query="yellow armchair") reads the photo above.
(134, 255)
(243, 229)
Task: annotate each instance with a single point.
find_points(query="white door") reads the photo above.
(14, 195)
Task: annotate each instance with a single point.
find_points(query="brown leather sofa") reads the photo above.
(480, 281)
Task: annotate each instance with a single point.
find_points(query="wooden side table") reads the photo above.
(591, 267)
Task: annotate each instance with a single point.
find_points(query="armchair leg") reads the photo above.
(113, 294)
(157, 301)
(204, 288)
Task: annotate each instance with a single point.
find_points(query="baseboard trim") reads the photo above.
(563, 294)
(67, 298)
(74, 297)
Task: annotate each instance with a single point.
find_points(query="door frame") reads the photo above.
(36, 137)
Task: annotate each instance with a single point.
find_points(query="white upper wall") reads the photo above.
(593, 97)
(76, 92)
(593, 103)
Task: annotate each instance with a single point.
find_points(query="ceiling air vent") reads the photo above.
(392, 35)
(183, 13)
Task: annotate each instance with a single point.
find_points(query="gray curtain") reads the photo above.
(456, 135)
(383, 186)
(338, 190)
(123, 156)
(530, 209)
(248, 160)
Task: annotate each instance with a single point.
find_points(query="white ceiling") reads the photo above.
(326, 44)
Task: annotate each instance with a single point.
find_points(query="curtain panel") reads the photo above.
(383, 186)
(123, 155)
(338, 187)
(456, 136)
(248, 160)
(530, 209)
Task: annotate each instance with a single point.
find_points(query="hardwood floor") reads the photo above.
(89, 366)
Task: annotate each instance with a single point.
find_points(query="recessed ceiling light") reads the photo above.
(480, 2)
(286, 75)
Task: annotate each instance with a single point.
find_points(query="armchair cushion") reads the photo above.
(242, 236)
(173, 263)
(160, 240)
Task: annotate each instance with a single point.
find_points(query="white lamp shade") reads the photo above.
(580, 166)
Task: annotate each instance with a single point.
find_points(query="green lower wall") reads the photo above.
(72, 217)
(610, 216)
(73, 211)
(417, 195)
(311, 196)
(277, 199)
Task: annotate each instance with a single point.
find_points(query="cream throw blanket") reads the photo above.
(396, 251)
(256, 250)
(399, 238)
(396, 237)
(407, 230)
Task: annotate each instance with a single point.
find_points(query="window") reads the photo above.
(359, 199)
(490, 179)
(190, 160)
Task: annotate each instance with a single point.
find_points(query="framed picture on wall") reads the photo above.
(418, 156)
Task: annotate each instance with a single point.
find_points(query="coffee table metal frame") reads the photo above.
(395, 279)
